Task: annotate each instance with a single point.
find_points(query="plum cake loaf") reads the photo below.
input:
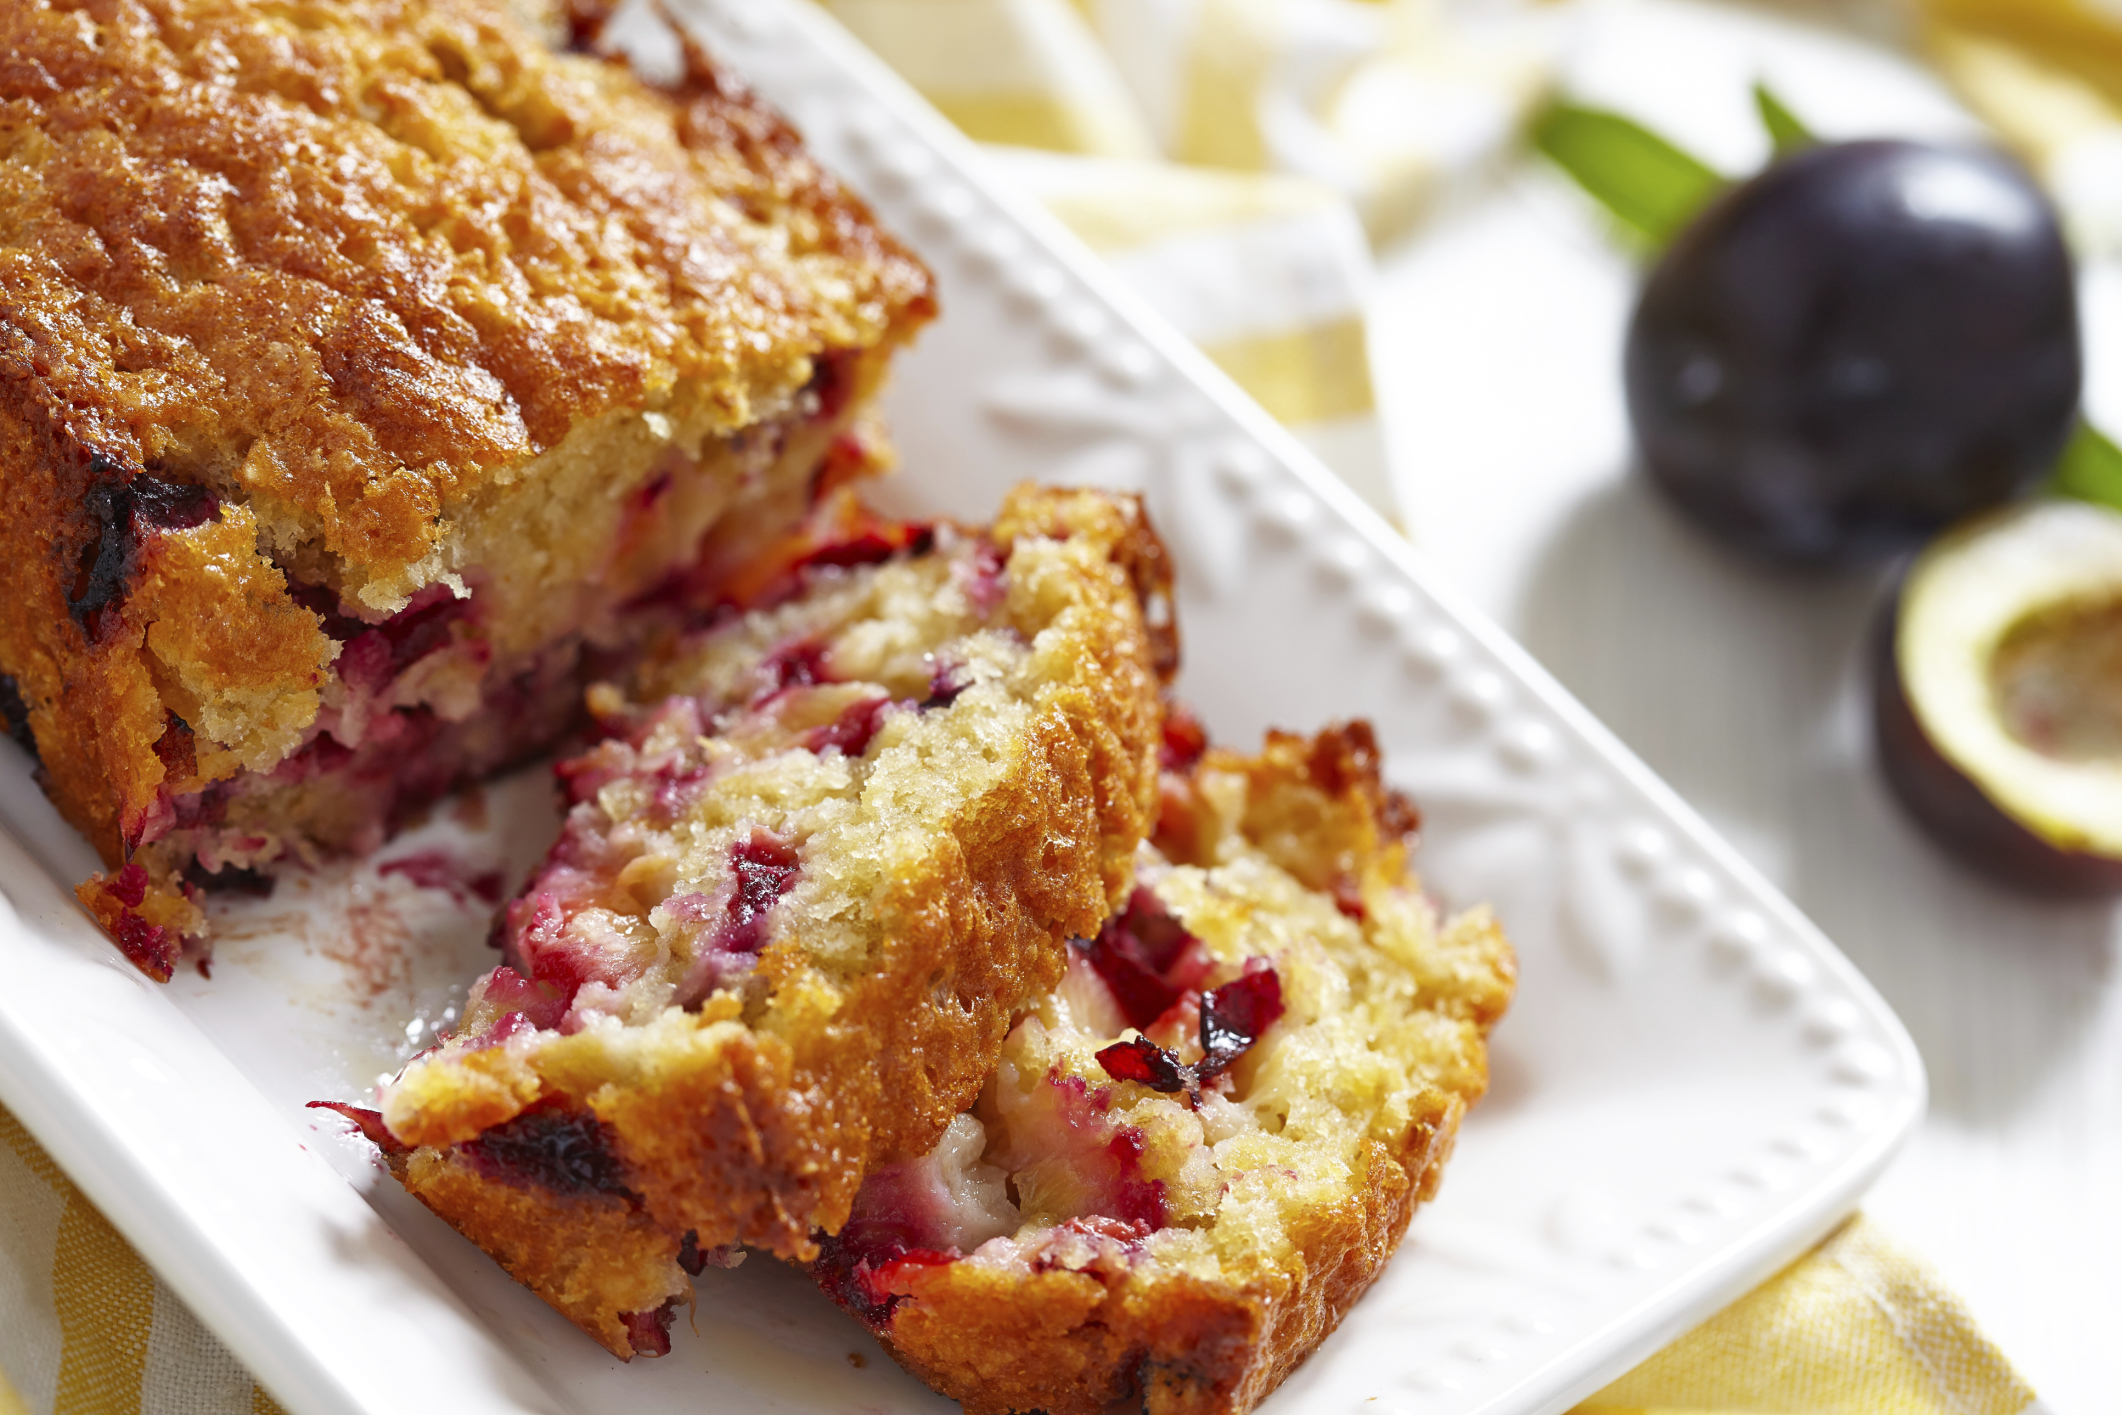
(367, 368)
(829, 849)
(1201, 1147)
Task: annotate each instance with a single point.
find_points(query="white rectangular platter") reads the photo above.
(1692, 1087)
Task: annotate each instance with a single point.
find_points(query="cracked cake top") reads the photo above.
(353, 264)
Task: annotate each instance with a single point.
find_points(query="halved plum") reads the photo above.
(1997, 696)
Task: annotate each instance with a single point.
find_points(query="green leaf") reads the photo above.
(2091, 469)
(1784, 130)
(1650, 185)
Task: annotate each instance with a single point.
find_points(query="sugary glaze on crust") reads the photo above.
(1080, 1239)
(312, 310)
(833, 846)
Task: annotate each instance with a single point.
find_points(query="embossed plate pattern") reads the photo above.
(1692, 1086)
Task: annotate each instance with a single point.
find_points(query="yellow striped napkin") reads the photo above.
(2047, 75)
(85, 1327)
(1185, 238)
(1854, 1328)
(1211, 146)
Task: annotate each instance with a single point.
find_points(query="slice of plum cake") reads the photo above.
(1200, 1148)
(831, 846)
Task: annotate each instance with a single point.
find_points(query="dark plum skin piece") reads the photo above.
(1865, 342)
(1953, 811)
(1233, 1017)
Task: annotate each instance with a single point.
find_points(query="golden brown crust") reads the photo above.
(1118, 521)
(355, 270)
(1064, 1343)
(596, 1256)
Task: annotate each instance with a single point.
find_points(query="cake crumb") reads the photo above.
(857, 1360)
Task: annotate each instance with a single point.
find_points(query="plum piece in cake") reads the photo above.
(1202, 1146)
(367, 370)
(831, 846)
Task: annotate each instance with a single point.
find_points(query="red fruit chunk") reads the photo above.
(536, 1004)
(545, 951)
(690, 1257)
(129, 886)
(1128, 1231)
(765, 866)
(368, 1122)
(840, 531)
(832, 381)
(865, 1290)
(1095, 1245)
(945, 683)
(1348, 898)
(1140, 1059)
(1132, 1199)
(501, 1031)
(980, 576)
(872, 544)
(151, 947)
(1239, 1013)
(674, 772)
(898, 1210)
(171, 506)
(372, 659)
(566, 1151)
(127, 509)
(912, 1260)
(857, 1266)
(649, 1332)
(1233, 1017)
(1142, 995)
(678, 785)
(1104, 1154)
(1185, 739)
(324, 754)
(795, 665)
(852, 730)
(1147, 958)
